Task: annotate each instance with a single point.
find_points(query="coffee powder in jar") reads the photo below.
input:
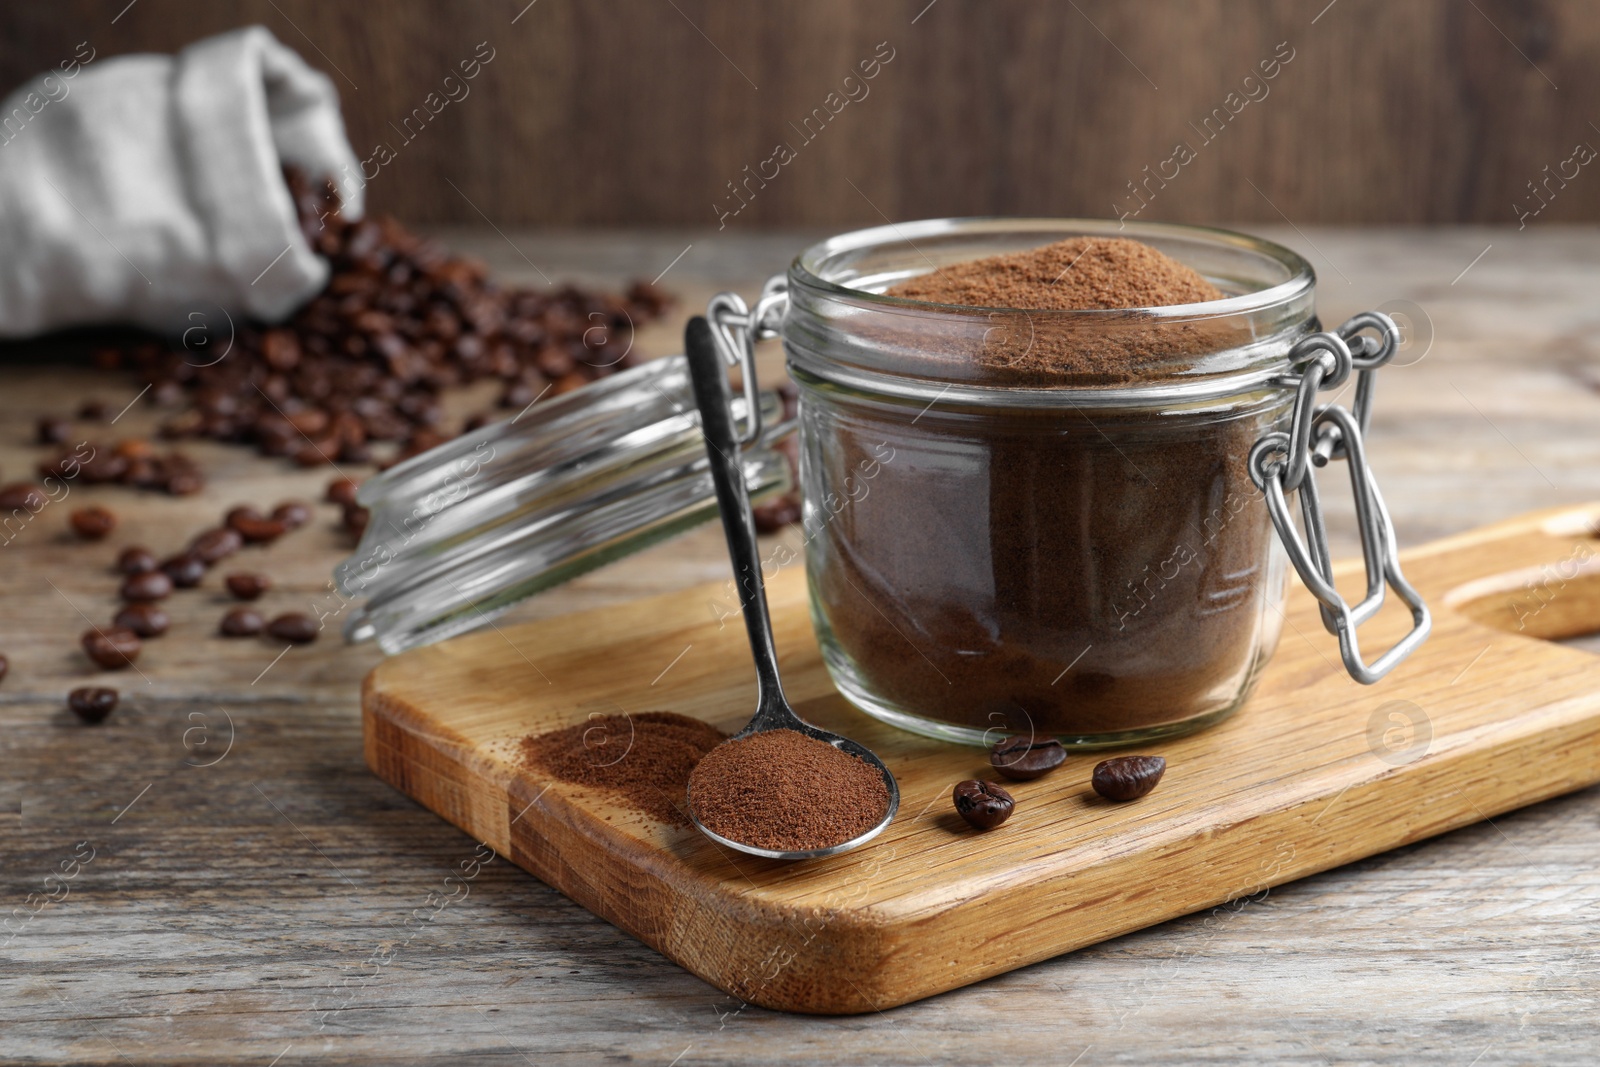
(1100, 574)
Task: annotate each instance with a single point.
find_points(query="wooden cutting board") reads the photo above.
(1315, 771)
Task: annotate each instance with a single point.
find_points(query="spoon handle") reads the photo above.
(712, 396)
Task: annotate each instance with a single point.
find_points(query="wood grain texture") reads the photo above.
(259, 906)
(1410, 112)
(1293, 784)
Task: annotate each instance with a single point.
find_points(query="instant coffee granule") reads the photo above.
(784, 791)
(1057, 569)
(643, 760)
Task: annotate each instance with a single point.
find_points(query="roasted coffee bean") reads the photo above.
(92, 703)
(355, 519)
(135, 448)
(92, 523)
(22, 496)
(240, 513)
(248, 586)
(185, 570)
(241, 622)
(184, 482)
(54, 431)
(294, 626)
(151, 585)
(215, 544)
(775, 514)
(1021, 758)
(259, 530)
(113, 647)
(341, 491)
(1128, 777)
(983, 804)
(137, 560)
(144, 619)
(104, 467)
(94, 410)
(292, 513)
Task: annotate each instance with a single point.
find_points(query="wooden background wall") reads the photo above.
(639, 112)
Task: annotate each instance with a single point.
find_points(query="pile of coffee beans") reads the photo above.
(985, 805)
(134, 462)
(366, 360)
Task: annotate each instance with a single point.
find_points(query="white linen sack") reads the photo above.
(143, 188)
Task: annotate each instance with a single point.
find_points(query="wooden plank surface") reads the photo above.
(625, 113)
(1313, 772)
(259, 905)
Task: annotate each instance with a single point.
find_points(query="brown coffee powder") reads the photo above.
(1072, 275)
(1067, 570)
(644, 759)
(784, 791)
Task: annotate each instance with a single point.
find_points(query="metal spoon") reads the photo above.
(712, 396)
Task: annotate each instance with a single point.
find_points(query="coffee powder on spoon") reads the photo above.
(784, 791)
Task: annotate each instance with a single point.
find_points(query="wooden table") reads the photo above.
(249, 879)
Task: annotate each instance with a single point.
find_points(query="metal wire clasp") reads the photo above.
(1280, 464)
(736, 329)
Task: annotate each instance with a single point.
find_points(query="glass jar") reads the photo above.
(997, 544)
(1056, 522)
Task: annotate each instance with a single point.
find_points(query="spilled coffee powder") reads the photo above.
(1069, 570)
(644, 760)
(784, 791)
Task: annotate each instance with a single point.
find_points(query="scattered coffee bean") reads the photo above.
(1128, 777)
(259, 530)
(137, 560)
(983, 804)
(92, 703)
(241, 622)
(239, 513)
(133, 462)
(215, 544)
(185, 570)
(341, 491)
(355, 519)
(54, 431)
(774, 515)
(5, 665)
(94, 410)
(104, 467)
(92, 523)
(1022, 758)
(22, 496)
(151, 585)
(248, 586)
(294, 626)
(292, 513)
(145, 619)
(113, 647)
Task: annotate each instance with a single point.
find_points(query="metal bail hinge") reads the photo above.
(1280, 464)
(736, 329)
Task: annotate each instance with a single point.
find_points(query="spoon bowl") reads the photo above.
(773, 712)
